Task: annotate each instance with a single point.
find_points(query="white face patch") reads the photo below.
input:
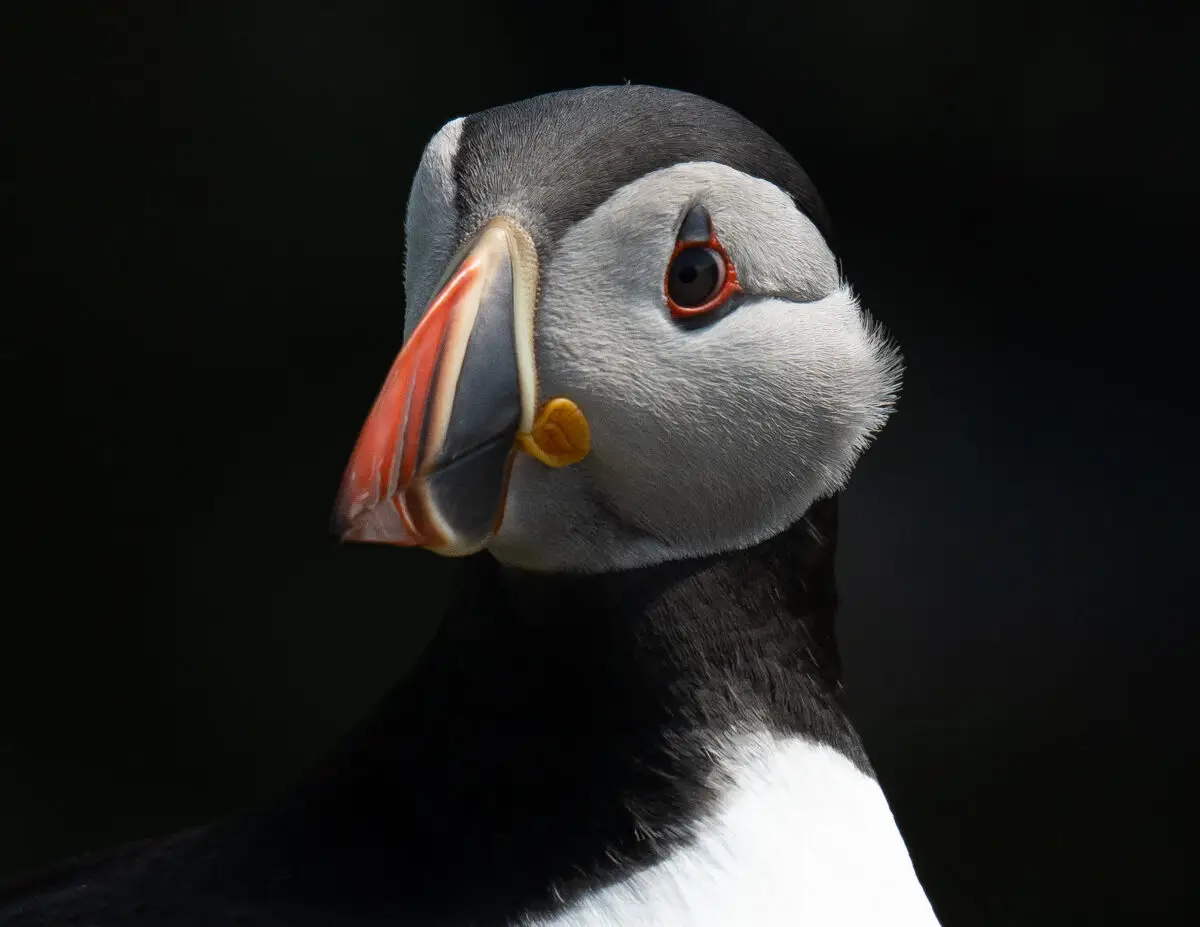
(429, 226)
(802, 836)
(703, 440)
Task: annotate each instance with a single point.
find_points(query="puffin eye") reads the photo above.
(700, 276)
(694, 277)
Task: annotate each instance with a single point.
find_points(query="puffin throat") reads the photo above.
(576, 743)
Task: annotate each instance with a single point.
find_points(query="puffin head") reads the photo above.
(627, 341)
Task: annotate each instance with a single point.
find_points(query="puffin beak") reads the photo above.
(432, 462)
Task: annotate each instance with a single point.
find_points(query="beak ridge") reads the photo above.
(432, 461)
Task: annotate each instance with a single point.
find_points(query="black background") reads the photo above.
(209, 203)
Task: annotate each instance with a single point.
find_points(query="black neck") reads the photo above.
(556, 732)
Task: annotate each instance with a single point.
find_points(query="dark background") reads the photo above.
(209, 203)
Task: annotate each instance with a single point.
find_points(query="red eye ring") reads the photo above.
(729, 284)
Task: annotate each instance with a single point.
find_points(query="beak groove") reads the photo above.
(432, 461)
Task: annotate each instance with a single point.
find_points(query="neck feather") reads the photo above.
(562, 731)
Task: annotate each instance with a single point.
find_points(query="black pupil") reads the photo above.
(694, 278)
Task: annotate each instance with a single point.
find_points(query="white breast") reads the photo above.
(803, 839)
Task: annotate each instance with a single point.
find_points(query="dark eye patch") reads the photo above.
(700, 278)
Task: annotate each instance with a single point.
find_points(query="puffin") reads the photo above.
(632, 384)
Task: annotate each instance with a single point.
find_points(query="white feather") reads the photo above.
(802, 839)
